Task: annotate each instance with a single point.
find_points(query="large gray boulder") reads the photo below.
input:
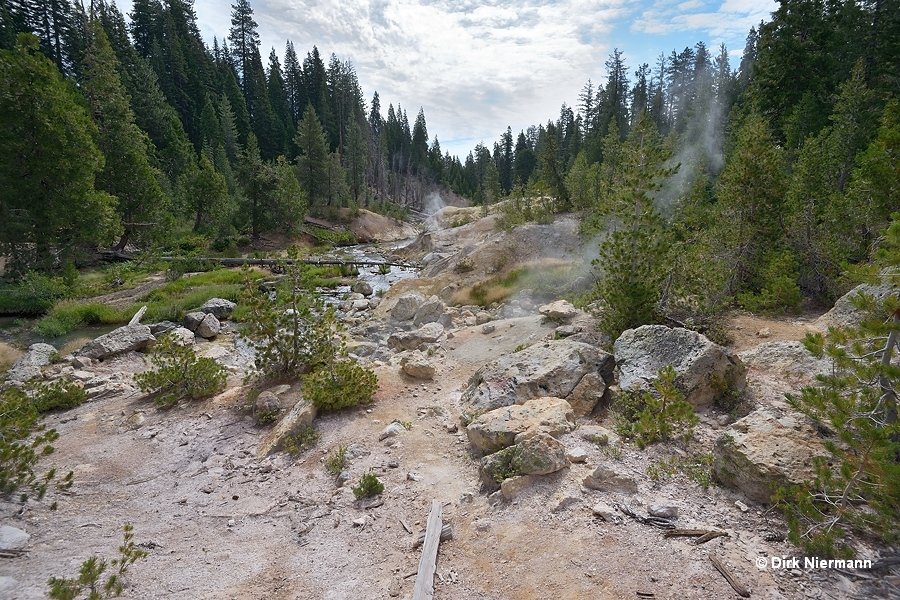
(845, 314)
(219, 307)
(764, 451)
(704, 370)
(538, 455)
(411, 340)
(430, 311)
(502, 427)
(124, 339)
(29, 364)
(406, 306)
(553, 368)
(209, 327)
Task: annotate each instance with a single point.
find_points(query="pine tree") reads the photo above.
(244, 39)
(205, 194)
(127, 174)
(312, 160)
(48, 164)
(633, 255)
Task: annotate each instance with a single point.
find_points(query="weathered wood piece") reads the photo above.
(424, 588)
(405, 526)
(446, 534)
(729, 577)
(137, 316)
(709, 535)
(685, 532)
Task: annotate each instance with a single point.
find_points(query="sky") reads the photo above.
(476, 67)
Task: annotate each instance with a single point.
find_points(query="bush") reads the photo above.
(779, 290)
(34, 294)
(22, 445)
(304, 438)
(296, 335)
(62, 393)
(67, 316)
(648, 418)
(179, 374)
(369, 485)
(339, 384)
(337, 462)
(92, 569)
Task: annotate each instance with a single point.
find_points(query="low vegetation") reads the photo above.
(647, 418)
(90, 575)
(179, 374)
(369, 485)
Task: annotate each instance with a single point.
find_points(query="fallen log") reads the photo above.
(424, 588)
(274, 262)
(446, 534)
(726, 573)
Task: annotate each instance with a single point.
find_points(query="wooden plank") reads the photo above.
(137, 316)
(424, 588)
(446, 534)
(726, 573)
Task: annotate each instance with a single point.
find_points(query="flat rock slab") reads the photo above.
(301, 415)
(118, 341)
(30, 364)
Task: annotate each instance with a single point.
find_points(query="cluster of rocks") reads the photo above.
(41, 361)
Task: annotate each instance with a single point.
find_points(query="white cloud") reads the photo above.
(477, 66)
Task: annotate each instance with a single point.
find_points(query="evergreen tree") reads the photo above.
(312, 159)
(357, 158)
(244, 39)
(284, 125)
(127, 174)
(205, 194)
(634, 253)
(48, 164)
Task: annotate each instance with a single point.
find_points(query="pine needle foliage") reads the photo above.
(179, 374)
(648, 418)
(89, 580)
(856, 486)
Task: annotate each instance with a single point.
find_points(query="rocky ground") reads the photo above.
(220, 521)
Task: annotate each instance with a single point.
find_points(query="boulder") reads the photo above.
(561, 310)
(846, 314)
(29, 364)
(789, 358)
(512, 487)
(704, 370)
(157, 329)
(604, 479)
(482, 317)
(430, 332)
(183, 336)
(538, 455)
(124, 339)
(763, 451)
(219, 307)
(416, 365)
(192, 320)
(429, 312)
(502, 427)
(12, 538)
(300, 416)
(587, 394)
(362, 287)
(553, 368)
(267, 408)
(406, 306)
(209, 327)
(411, 340)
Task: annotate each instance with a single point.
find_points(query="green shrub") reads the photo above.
(179, 374)
(779, 290)
(341, 384)
(697, 468)
(648, 418)
(23, 443)
(337, 462)
(91, 571)
(369, 485)
(34, 294)
(67, 316)
(302, 439)
(62, 393)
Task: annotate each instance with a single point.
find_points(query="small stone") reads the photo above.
(414, 476)
(743, 507)
(576, 455)
(662, 510)
(764, 333)
(391, 430)
(360, 522)
(452, 427)
(393, 464)
(231, 523)
(512, 487)
(12, 538)
(604, 511)
(488, 328)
